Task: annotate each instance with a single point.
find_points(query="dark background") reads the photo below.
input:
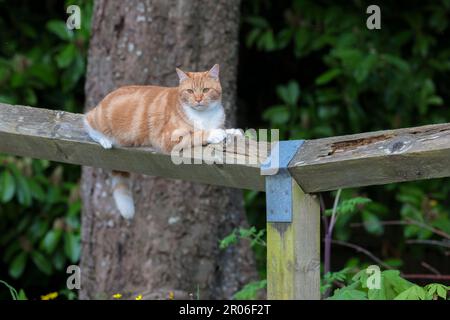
(310, 68)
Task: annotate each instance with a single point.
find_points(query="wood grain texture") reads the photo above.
(373, 158)
(322, 164)
(60, 136)
(293, 251)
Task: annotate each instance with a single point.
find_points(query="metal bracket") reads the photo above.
(278, 180)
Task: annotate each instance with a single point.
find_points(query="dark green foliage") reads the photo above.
(312, 69)
(42, 64)
(392, 287)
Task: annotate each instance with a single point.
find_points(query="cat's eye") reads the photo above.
(190, 91)
(205, 90)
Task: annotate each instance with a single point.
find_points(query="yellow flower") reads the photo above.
(117, 296)
(433, 203)
(171, 295)
(50, 296)
(139, 297)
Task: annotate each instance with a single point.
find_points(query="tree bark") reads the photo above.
(171, 245)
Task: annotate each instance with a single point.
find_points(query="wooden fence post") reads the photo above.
(293, 250)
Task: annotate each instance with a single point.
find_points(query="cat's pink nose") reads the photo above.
(198, 99)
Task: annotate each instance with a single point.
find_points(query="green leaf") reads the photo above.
(30, 97)
(228, 240)
(283, 38)
(377, 294)
(250, 290)
(412, 293)
(267, 41)
(59, 28)
(372, 223)
(36, 190)
(59, 260)
(66, 56)
(397, 62)
(44, 73)
(301, 39)
(72, 247)
(394, 283)
(289, 93)
(51, 240)
(8, 99)
(22, 295)
(277, 114)
(363, 69)
(41, 262)
(437, 289)
(348, 294)
(17, 266)
(252, 37)
(247, 232)
(327, 76)
(349, 206)
(72, 74)
(7, 186)
(23, 190)
(442, 291)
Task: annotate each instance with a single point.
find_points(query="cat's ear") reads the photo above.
(181, 75)
(214, 72)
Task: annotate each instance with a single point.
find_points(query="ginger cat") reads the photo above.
(160, 117)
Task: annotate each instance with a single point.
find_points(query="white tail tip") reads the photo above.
(124, 202)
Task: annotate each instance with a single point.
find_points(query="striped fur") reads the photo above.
(160, 117)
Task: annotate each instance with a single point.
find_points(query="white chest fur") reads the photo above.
(211, 118)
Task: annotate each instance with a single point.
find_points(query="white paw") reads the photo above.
(105, 143)
(234, 132)
(216, 136)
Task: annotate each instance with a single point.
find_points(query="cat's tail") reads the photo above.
(123, 196)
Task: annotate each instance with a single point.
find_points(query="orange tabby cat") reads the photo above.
(160, 117)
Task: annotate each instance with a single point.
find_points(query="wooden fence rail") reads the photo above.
(319, 165)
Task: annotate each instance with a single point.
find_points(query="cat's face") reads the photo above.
(200, 90)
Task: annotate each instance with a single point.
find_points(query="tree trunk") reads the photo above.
(171, 245)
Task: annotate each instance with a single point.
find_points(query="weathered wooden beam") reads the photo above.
(373, 158)
(293, 251)
(60, 136)
(323, 164)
